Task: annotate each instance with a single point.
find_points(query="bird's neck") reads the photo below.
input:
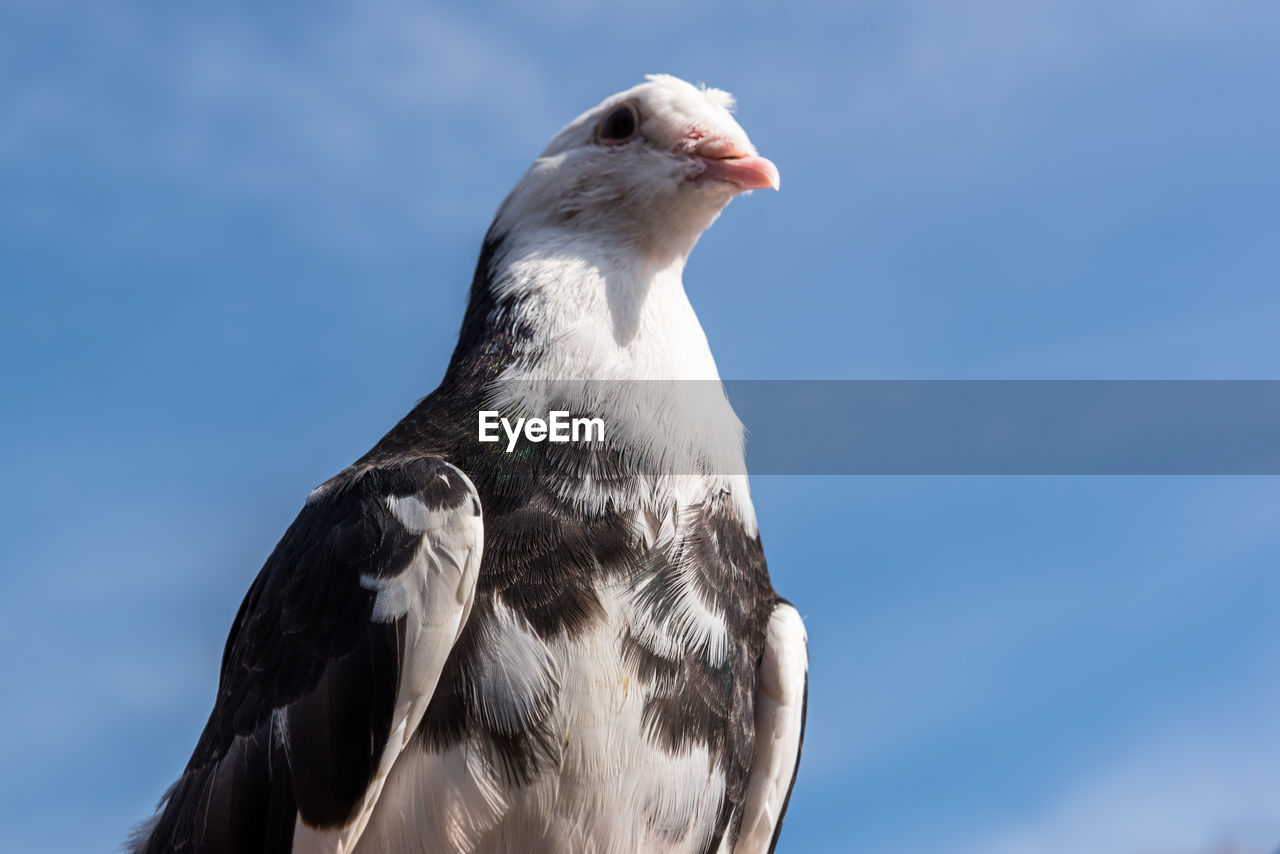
(591, 311)
(556, 322)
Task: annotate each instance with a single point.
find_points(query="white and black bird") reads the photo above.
(566, 648)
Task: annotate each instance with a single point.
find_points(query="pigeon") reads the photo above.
(532, 644)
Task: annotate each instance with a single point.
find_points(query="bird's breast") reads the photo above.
(624, 731)
(579, 770)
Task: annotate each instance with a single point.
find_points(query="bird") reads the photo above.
(462, 645)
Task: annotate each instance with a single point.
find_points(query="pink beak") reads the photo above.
(726, 162)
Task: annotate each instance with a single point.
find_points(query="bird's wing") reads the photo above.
(782, 689)
(330, 665)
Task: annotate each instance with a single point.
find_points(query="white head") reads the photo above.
(649, 169)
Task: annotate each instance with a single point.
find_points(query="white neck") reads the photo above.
(621, 319)
(603, 313)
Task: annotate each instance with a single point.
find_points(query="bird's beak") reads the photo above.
(726, 161)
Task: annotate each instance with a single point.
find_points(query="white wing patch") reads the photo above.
(411, 512)
(397, 594)
(434, 594)
(394, 594)
(780, 687)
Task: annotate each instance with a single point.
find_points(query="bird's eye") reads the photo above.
(619, 126)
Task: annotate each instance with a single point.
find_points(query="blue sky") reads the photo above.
(235, 244)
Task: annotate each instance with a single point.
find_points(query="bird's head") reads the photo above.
(649, 168)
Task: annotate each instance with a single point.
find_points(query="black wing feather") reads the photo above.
(308, 681)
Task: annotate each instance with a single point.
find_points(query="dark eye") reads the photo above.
(619, 126)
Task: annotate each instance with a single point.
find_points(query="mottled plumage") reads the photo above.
(565, 647)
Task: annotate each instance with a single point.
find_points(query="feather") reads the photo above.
(471, 647)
